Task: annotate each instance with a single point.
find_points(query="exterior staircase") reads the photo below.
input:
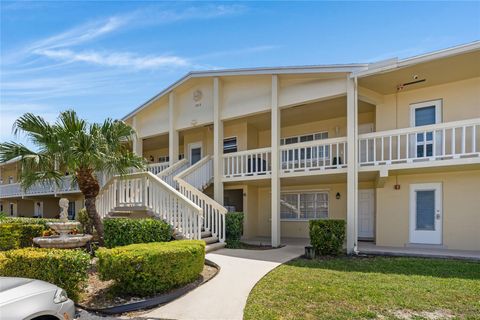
(174, 195)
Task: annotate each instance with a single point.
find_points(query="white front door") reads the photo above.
(426, 213)
(366, 213)
(38, 210)
(195, 152)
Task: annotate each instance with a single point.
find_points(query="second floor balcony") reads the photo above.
(13, 190)
(444, 144)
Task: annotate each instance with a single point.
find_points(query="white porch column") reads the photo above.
(172, 133)
(137, 143)
(352, 172)
(275, 164)
(217, 142)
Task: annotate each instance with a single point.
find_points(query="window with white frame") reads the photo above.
(304, 205)
(230, 145)
(306, 153)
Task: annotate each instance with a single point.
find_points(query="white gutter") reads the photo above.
(396, 64)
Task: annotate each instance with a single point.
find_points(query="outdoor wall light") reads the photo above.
(337, 196)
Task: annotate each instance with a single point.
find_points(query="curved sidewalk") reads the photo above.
(224, 297)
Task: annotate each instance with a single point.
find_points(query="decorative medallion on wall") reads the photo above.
(197, 97)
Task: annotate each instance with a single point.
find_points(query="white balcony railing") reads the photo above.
(40, 188)
(444, 141)
(314, 155)
(247, 163)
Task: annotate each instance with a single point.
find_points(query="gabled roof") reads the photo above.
(333, 68)
(356, 69)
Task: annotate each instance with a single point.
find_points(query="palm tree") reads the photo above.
(74, 146)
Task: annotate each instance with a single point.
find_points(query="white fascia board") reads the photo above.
(397, 64)
(334, 68)
(13, 160)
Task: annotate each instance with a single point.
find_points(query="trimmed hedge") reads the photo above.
(18, 235)
(233, 229)
(327, 236)
(22, 220)
(125, 231)
(151, 268)
(68, 269)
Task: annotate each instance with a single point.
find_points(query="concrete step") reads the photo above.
(131, 208)
(210, 240)
(206, 234)
(214, 246)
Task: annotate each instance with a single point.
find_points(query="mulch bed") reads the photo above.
(100, 297)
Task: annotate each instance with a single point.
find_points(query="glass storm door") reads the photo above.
(424, 114)
(426, 213)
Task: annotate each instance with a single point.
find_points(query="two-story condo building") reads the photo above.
(392, 147)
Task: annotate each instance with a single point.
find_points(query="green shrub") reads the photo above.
(233, 228)
(125, 231)
(327, 236)
(67, 269)
(22, 220)
(9, 237)
(150, 268)
(18, 235)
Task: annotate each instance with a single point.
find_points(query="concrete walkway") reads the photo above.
(224, 297)
(417, 251)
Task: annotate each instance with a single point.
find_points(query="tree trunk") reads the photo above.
(90, 188)
(95, 217)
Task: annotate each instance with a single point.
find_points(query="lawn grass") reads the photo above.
(368, 288)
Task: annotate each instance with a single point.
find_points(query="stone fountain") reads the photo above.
(64, 240)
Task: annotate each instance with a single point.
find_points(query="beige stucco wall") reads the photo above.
(9, 170)
(245, 95)
(298, 90)
(153, 119)
(461, 209)
(188, 111)
(25, 207)
(460, 100)
(203, 134)
(298, 229)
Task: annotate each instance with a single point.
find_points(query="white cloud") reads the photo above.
(11, 111)
(81, 34)
(117, 59)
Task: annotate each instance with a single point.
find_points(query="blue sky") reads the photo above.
(105, 58)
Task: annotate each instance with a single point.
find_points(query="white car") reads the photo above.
(31, 299)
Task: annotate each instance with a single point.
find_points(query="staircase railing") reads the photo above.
(169, 173)
(147, 191)
(200, 174)
(156, 168)
(190, 182)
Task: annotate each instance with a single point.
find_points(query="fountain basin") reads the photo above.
(63, 242)
(63, 228)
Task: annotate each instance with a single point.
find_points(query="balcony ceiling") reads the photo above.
(156, 142)
(454, 68)
(322, 110)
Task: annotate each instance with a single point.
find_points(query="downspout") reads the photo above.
(355, 90)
